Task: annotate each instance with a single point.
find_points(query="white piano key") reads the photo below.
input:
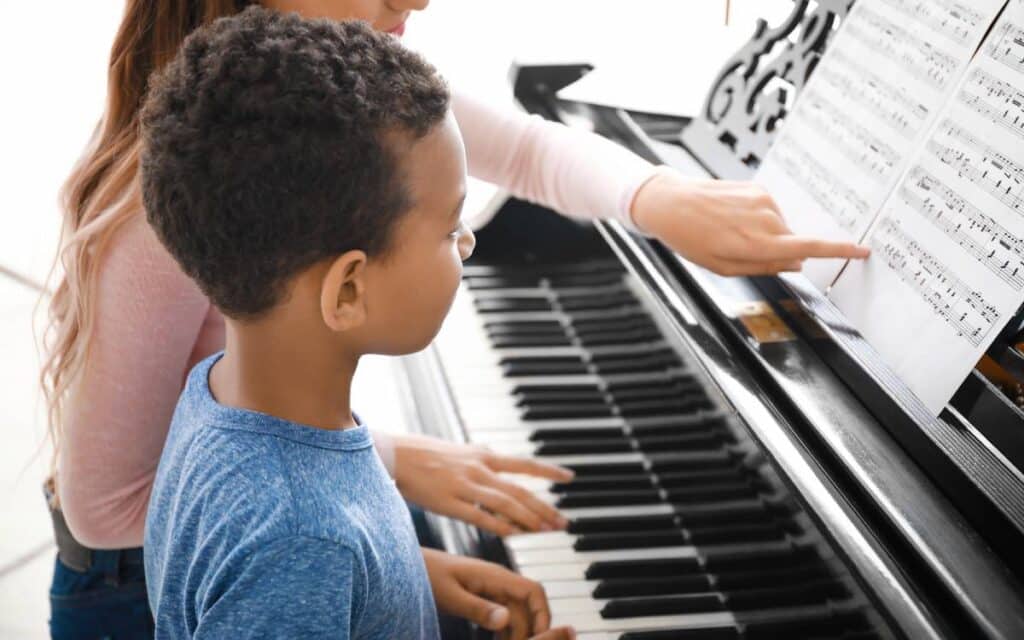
(575, 571)
(602, 458)
(616, 512)
(586, 622)
(530, 557)
(558, 589)
(546, 540)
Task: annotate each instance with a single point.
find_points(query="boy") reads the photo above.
(309, 176)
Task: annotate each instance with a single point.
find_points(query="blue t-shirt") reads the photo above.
(262, 528)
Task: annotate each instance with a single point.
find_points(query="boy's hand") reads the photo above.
(462, 481)
(491, 597)
(732, 228)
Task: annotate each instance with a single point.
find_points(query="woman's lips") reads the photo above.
(399, 29)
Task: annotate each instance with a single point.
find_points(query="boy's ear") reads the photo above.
(343, 292)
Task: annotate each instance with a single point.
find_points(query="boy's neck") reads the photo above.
(296, 380)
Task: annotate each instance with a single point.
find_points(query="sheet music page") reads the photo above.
(947, 265)
(889, 69)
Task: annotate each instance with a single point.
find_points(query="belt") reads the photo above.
(81, 558)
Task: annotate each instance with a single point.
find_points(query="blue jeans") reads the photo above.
(105, 602)
(108, 600)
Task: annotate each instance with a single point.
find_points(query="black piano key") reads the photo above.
(608, 498)
(654, 391)
(701, 476)
(642, 568)
(664, 406)
(700, 583)
(531, 366)
(661, 606)
(636, 364)
(596, 302)
(585, 280)
(612, 338)
(620, 524)
(644, 539)
(526, 341)
(605, 468)
(582, 447)
(593, 433)
(688, 441)
(712, 633)
(689, 460)
(711, 493)
(795, 574)
(803, 626)
(567, 394)
(725, 561)
(503, 305)
(610, 323)
(785, 596)
(566, 411)
(733, 534)
(598, 483)
(511, 327)
(671, 424)
(638, 587)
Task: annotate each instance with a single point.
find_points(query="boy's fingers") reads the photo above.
(545, 511)
(487, 614)
(502, 504)
(530, 467)
(477, 517)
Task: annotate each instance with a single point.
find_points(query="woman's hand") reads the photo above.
(462, 481)
(732, 228)
(492, 597)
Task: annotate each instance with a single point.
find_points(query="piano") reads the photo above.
(746, 465)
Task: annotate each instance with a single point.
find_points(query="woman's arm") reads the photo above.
(148, 316)
(732, 228)
(569, 170)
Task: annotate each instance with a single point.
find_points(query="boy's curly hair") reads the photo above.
(268, 144)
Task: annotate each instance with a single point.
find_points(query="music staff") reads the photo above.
(955, 20)
(919, 57)
(840, 202)
(962, 308)
(981, 236)
(1000, 102)
(891, 104)
(857, 143)
(987, 168)
(1008, 46)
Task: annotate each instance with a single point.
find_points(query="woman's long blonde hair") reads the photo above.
(102, 191)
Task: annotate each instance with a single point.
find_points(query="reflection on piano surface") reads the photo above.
(727, 486)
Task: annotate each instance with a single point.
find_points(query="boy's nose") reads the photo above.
(467, 242)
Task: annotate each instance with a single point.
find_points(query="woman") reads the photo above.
(128, 325)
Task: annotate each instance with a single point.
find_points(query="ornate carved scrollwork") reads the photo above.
(751, 95)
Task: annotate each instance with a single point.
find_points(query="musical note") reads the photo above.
(979, 235)
(1004, 105)
(919, 57)
(964, 309)
(987, 168)
(1008, 46)
(955, 20)
(891, 104)
(835, 199)
(864, 149)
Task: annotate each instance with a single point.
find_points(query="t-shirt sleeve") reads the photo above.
(294, 587)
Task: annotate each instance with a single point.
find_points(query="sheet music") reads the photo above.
(890, 68)
(947, 269)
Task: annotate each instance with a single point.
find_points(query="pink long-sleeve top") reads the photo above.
(153, 323)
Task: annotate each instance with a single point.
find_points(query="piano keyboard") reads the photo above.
(678, 527)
